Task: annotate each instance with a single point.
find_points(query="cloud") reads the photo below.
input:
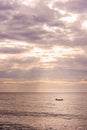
(43, 39)
(76, 6)
(5, 5)
(10, 50)
(29, 23)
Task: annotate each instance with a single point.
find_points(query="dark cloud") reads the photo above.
(3, 18)
(76, 6)
(36, 74)
(23, 61)
(26, 68)
(10, 50)
(5, 5)
(26, 23)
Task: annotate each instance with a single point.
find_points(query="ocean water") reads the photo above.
(40, 111)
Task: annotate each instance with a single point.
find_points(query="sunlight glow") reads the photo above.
(31, 3)
(69, 19)
(50, 5)
(62, 1)
(84, 25)
(43, 58)
(11, 43)
(49, 29)
(62, 12)
(26, 2)
(52, 54)
(43, 81)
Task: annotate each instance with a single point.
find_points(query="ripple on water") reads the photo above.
(9, 126)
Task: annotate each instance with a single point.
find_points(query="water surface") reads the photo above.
(40, 111)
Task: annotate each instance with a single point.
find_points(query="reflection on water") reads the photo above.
(40, 111)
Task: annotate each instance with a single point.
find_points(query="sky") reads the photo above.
(43, 45)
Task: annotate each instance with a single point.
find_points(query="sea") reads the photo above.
(41, 111)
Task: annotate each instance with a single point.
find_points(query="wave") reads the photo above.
(10, 126)
(42, 114)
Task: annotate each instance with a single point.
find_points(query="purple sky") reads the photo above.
(43, 45)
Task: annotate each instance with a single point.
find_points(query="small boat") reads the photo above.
(59, 99)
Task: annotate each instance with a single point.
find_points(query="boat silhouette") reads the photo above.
(59, 99)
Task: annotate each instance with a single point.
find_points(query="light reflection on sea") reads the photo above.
(40, 111)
